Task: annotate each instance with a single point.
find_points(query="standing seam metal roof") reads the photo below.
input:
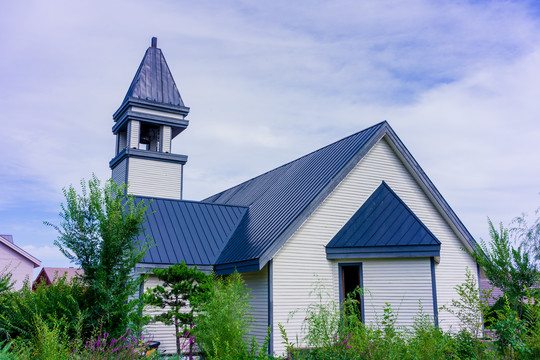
(278, 197)
(383, 220)
(154, 81)
(189, 231)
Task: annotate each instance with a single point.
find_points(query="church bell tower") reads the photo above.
(151, 115)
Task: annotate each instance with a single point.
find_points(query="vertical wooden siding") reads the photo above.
(302, 260)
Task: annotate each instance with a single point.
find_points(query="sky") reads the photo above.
(268, 82)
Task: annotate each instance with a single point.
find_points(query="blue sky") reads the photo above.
(268, 82)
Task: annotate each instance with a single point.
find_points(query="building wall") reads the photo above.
(157, 330)
(19, 266)
(301, 262)
(401, 282)
(154, 178)
(257, 282)
(119, 172)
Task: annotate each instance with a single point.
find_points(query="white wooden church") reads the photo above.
(357, 212)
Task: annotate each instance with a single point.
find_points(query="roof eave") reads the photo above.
(20, 251)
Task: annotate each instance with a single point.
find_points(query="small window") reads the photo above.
(350, 283)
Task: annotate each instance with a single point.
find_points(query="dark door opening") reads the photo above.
(350, 282)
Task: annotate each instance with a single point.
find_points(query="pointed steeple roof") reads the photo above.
(153, 80)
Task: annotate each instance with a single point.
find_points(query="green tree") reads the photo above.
(507, 268)
(224, 319)
(180, 284)
(99, 232)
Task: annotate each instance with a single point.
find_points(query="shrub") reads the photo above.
(55, 306)
(224, 319)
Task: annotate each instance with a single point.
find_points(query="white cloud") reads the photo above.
(270, 82)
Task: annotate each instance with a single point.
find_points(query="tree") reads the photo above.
(528, 234)
(507, 268)
(224, 318)
(180, 284)
(98, 232)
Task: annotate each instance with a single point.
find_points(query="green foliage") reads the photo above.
(470, 308)
(322, 319)
(507, 268)
(510, 330)
(98, 232)
(56, 306)
(224, 319)
(5, 281)
(179, 285)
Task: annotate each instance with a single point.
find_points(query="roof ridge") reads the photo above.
(295, 160)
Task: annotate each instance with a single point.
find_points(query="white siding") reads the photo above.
(400, 282)
(122, 141)
(166, 139)
(257, 282)
(155, 178)
(119, 172)
(303, 259)
(134, 129)
(157, 330)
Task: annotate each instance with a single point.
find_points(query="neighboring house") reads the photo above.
(15, 260)
(48, 274)
(358, 212)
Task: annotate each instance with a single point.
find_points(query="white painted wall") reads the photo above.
(20, 267)
(166, 139)
(154, 178)
(157, 330)
(257, 282)
(302, 260)
(134, 130)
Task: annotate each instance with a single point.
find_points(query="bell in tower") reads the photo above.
(151, 115)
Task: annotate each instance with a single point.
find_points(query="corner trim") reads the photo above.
(434, 292)
(271, 307)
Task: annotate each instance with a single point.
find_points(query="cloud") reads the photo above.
(269, 82)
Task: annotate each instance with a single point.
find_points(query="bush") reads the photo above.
(26, 312)
(224, 320)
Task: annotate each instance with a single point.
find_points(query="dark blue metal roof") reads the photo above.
(282, 198)
(383, 226)
(153, 80)
(192, 231)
